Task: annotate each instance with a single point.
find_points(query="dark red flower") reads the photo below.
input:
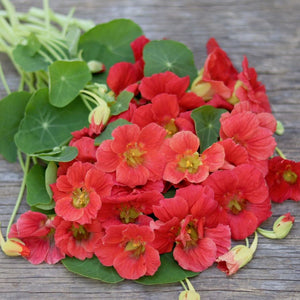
(283, 179)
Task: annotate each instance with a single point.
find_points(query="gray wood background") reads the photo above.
(268, 32)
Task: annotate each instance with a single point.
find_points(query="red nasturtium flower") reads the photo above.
(243, 197)
(134, 154)
(184, 162)
(218, 75)
(78, 193)
(252, 131)
(187, 220)
(127, 248)
(283, 179)
(156, 112)
(36, 230)
(77, 240)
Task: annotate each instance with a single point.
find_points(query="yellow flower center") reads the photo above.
(236, 205)
(171, 128)
(80, 198)
(190, 163)
(290, 176)
(134, 155)
(79, 232)
(128, 215)
(136, 247)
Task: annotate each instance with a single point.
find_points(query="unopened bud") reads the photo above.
(281, 227)
(96, 67)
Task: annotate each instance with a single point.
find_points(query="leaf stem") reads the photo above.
(2, 77)
(280, 153)
(20, 196)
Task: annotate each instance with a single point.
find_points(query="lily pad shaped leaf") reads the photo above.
(12, 110)
(67, 78)
(207, 123)
(109, 43)
(168, 272)
(45, 127)
(65, 154)
(92, 268)
(168, 55)
(122, 103)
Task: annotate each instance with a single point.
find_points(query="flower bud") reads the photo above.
(190, 293)
(96, 67)
(100, 114)
(14, 247)
(281, 227)
(279, 128)
(236, 258)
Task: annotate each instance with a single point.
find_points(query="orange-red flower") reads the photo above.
(134, 154)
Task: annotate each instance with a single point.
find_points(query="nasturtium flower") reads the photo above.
(188, 221)
(78, 193)
(77, 240)
(251, 90)
(252, 131)
(171, 119)
(128, 249)
(134, 154)
(36, 230)
(218, 75)
(184, 161)
(283, 179)
(237, 257)
(243, 197)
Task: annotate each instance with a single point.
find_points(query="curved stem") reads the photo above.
(20, 196)
(280, 153)
(254, 243)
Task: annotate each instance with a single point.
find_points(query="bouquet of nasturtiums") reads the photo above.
(136, 165)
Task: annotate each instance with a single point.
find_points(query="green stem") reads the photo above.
(21, 162)
(280, 153)
(183, 285)
(2, 77)
(267, 233)
(20, 196)
(254, 243)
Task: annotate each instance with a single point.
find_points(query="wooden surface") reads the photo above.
(268, 32)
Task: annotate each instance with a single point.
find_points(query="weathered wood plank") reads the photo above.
(268, 32)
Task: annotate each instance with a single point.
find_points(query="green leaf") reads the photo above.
(122, 103)
(45, 127)
(12, 110)
(36, 189)
(207, 122)
(168, 272)
(170, 193)
(168, 55)
(67, 78)
(72, 40)
(92, 268)
(50, 177)
(33, 44)
(106, 134)
(29, 62)
(65, 154)
(109, 43)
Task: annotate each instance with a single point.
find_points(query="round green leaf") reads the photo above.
(168, 55)
(67, 78)
(122, 103)
(168, 272)
(109, 43)
(45, 127)
(207, 123)
(65, 154)
(12, 110)
(92, 268)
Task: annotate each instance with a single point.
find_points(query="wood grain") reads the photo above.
(268, 32)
